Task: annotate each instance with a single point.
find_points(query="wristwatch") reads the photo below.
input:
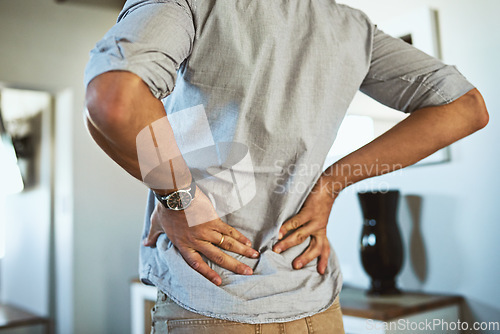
(178, 200)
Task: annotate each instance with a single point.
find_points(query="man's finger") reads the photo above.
(293, 223)
(155, 230)
(311, 253)
(151, 239)
(226, 229)
(296, 238)
(217, 256)
(195, 261)
(323, 258)
(233, 245)
(225, 237)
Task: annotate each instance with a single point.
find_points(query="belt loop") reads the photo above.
(309, 325)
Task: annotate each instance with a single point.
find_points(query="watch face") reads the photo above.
(179, 200)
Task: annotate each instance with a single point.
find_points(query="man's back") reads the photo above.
(277, 78)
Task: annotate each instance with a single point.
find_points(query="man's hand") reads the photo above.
(422, 133)
(120, 105)
(310, 221)
(204, 236)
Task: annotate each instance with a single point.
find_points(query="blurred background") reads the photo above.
(69, 240)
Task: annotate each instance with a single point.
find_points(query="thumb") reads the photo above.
(155, 230)
(151, 239)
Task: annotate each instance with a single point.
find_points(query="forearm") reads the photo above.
(422, 133)
(120, 106)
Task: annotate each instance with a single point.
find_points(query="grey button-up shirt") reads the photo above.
(275, 76)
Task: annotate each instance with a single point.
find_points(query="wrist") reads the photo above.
(325, 190)
(336, 178)
(181, 181)
(166, 192)
(177, 200)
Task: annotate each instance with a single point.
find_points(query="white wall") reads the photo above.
(454, 245)
(45, 45)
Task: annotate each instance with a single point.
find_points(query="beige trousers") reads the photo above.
(168, 317)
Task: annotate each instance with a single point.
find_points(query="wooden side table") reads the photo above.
(14, 317)
(409, 312)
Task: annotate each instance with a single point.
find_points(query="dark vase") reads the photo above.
(381, 244)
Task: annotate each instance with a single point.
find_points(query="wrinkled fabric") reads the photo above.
(277, 77)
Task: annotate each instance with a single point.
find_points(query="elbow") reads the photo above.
(478, 113)
(102, 110)
(109, 101)
(484, 119)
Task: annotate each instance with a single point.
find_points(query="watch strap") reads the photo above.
(163, 198)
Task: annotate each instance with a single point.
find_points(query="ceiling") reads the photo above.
(118, 4)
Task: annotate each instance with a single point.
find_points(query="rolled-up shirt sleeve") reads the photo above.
(151, 39)
(405, 78)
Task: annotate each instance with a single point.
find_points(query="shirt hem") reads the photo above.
(156, 282)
